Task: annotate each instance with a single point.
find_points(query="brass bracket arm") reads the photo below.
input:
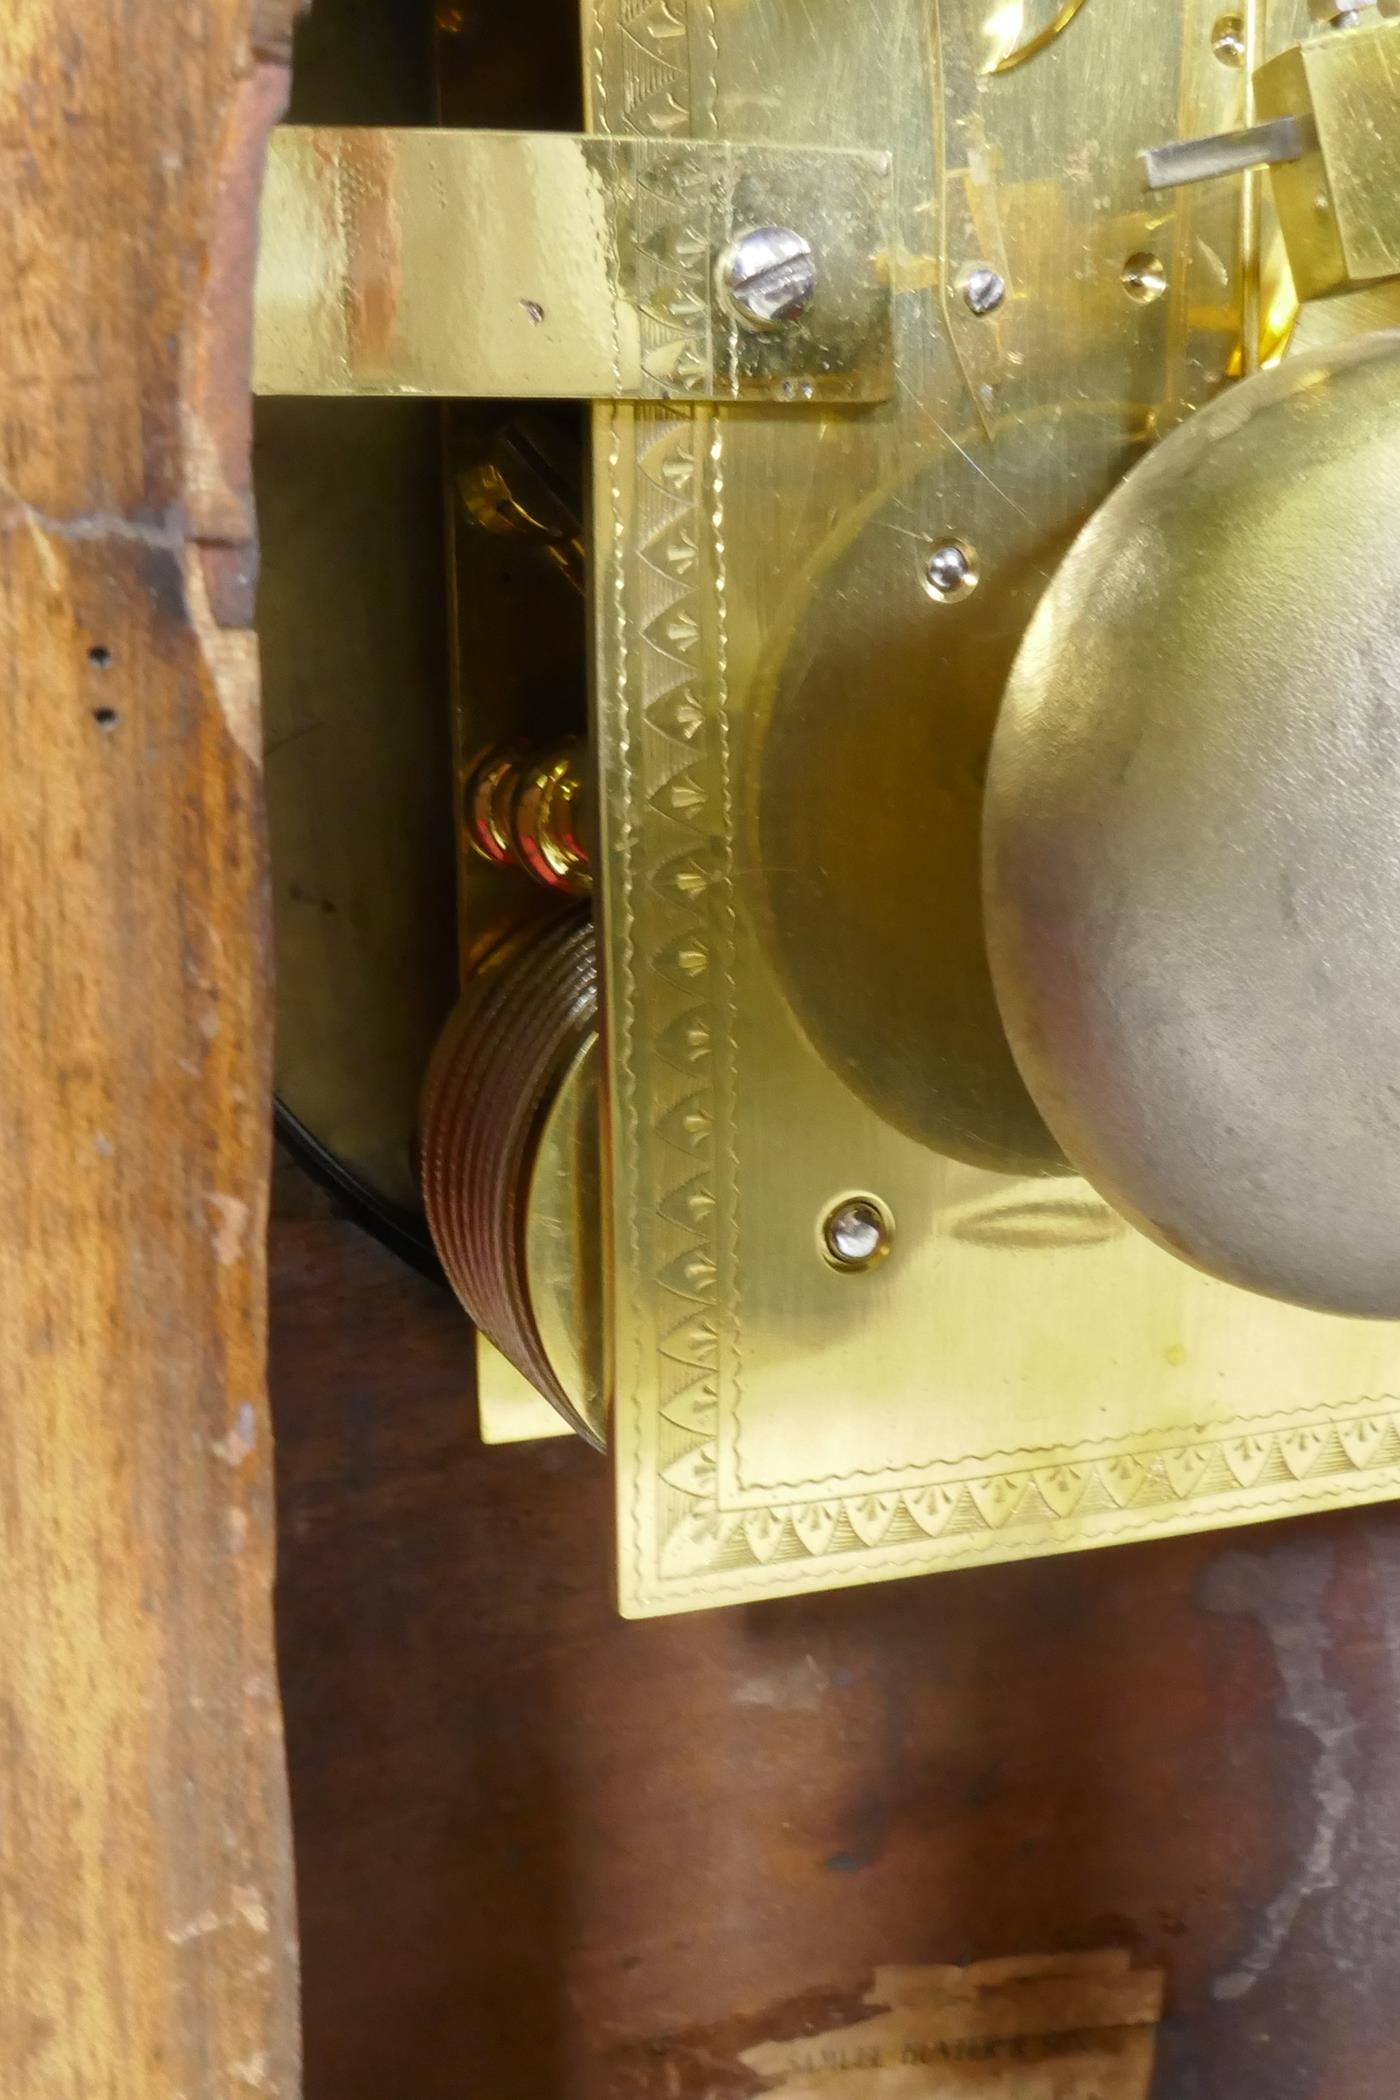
(541, 265)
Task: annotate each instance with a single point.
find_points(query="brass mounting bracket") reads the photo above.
(1329, 138)
(475, 264)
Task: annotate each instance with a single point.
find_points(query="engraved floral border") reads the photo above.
(662, 653)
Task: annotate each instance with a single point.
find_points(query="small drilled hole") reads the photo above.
(1144, 277)
(105, 717)
(99, 656)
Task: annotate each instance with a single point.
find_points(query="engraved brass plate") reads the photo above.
(792, 724)
(483, 264)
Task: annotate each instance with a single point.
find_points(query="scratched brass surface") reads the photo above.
(792, 733)
(1192, 872)
(517, 265)
(1324, 324)
(509, 1410)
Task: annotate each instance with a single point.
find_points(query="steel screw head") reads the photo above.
(857, 1233)
(769, 276)
(950, 571)
(984, 289)
(1229, 40)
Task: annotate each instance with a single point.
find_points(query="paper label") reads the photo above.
(1052, 2027)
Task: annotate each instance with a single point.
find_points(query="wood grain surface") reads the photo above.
(147, 1944)
(546, 1855)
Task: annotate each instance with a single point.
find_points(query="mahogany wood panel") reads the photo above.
(545, 1855)
(146, 1915)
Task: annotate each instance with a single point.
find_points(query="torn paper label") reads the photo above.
(1052, 2027)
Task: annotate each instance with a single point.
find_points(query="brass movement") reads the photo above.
(950, 365)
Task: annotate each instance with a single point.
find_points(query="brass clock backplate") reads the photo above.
(792, 711)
